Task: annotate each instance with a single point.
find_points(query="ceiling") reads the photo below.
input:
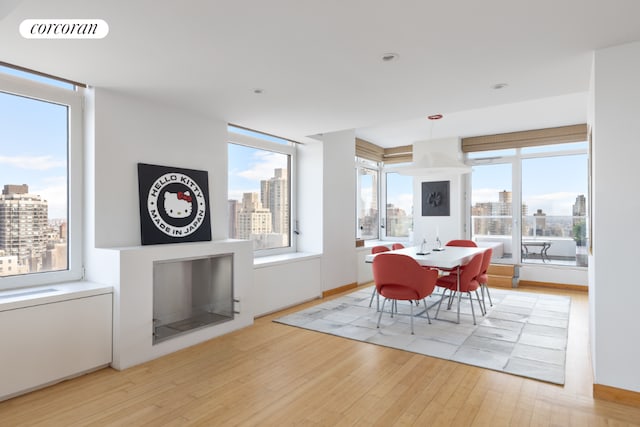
(319, 63)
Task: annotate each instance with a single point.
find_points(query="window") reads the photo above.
(533, 204)
(554, 209)
(367, 204)
(399, 205)
(40, 168)
(260, 190)
(392, 196)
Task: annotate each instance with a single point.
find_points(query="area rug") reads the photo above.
(522, 333)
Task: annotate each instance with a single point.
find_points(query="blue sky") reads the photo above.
(248, 166)
(33, 149)
(548, 183)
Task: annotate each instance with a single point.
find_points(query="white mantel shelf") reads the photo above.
(129, 270)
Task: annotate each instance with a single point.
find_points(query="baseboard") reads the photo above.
(617, 395)
(500, 281)
(563, 286)
(339, 290)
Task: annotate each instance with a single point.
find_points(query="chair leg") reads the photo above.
(426, 310)
(377, 295)
(472, 311)
(381, 311)
(484, 286)
(452, 295)
(411, 308)
(483, 310)
(440, 303)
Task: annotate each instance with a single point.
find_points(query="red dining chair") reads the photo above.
(377, 250)
(400, 278)
(468, 283)
(459, 242)
(397, 246)
(462, 242)
(483, 277)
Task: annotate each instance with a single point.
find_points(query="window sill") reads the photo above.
(271, 260)
(38, 295)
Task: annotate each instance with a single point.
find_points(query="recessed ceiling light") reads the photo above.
(258, 91)
(434, 117)
(388, 57)
(499, 86)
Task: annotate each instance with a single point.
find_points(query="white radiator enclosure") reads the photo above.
(51, 333)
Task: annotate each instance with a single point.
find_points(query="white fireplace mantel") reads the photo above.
(130, 271)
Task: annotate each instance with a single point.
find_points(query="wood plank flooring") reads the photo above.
(275, 375)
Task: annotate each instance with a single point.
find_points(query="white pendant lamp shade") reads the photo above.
(435, 163)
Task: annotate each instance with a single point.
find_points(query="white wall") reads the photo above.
(310, 204)
(616, 150)
(129, 130)
(448, 227)
(339, 263)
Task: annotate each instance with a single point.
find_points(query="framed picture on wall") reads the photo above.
(174, 204)
(435, 198)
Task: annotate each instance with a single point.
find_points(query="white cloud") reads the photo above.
(484, 195)
(54, 191)
(263, 165)
(560, 203)
(32, 163)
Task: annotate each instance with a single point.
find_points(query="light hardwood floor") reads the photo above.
(273, 375)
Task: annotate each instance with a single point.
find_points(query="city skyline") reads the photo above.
(263, 215)
(541, 179)
(29, 241)
(248, 166)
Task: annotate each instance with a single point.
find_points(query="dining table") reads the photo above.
(444, 258)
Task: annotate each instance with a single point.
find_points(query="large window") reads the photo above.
(384, 202)
(531, 203)
(399, 205)
(260, 190)
(367, 204)
(40, 180)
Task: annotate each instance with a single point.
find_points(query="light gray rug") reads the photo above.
(523, 333)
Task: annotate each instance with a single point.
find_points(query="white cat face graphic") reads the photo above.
(177, 205)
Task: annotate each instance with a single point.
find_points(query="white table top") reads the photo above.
(450, 257)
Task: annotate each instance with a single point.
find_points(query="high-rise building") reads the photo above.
(541, 222)
(398, 222)
(23, 226)
(234, 209)
(580, 206)
(504, 198)
(274, 195)
(253, 219)
(579, 220)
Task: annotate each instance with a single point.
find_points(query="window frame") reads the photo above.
(74, 100)
(516, 160)
(280, 148)
(362, 163)
(382, 171)
(384, 202)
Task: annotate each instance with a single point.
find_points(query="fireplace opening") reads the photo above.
(190, 294)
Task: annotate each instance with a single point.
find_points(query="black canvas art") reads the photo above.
(174, 204)
(435, 198)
